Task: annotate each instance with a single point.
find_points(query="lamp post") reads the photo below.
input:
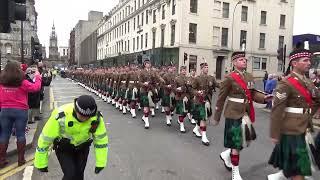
(234, 10)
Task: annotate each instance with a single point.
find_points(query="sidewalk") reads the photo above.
(31, 136)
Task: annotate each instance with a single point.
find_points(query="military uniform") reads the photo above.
(132, 95)
(295, 102)
(202, 102)
(168, 95)
(237, 90)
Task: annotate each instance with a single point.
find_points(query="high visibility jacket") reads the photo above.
(63, 124)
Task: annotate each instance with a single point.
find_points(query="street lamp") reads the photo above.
(234, 10)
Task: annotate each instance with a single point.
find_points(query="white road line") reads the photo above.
(27, 174)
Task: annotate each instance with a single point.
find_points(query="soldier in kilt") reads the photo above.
(181, 96)
(238, 87)
(191, 78)
(133, 87)
(295, 102)
(168, 94)
(203, 86)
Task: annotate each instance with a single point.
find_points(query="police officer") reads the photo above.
(296, 100)
(70, 128)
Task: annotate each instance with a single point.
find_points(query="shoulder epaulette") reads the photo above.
(60, 115)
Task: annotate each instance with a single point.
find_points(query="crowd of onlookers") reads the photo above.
(21, 95)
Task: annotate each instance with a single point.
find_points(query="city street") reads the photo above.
(161, 152)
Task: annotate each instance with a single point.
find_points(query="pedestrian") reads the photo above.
(70, 128)
(14, 89)
(33, 97)
(265, 78)
(270, 86)
(293, 106)
(238, 86)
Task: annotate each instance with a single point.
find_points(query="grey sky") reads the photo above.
(66, 13)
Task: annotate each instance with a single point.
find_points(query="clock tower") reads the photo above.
(53, 48)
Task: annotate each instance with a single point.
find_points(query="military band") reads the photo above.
(129, 88)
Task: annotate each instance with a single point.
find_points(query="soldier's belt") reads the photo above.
(133, 82)
(123, 81)
(298, 110)
(238, 100)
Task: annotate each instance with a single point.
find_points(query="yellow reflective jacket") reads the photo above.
(59, 126)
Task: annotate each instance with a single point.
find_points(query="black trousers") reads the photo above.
(73, 163)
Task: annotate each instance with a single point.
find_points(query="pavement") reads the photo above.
(161, 152)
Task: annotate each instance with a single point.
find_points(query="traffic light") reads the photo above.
(10, 11)
(280, 54)
(185, 57)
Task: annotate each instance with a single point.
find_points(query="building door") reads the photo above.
(219, 64)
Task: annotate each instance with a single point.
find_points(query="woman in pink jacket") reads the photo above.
(14, 107)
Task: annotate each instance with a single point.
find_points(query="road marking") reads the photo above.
(14, 165)
(27, 174)
(16, 170)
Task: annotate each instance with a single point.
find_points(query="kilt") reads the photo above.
(233, 134)
(291, 156)
(199, 112)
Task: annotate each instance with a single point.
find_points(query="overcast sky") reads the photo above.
(66, 13)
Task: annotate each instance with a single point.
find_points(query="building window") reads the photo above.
(192, 33)
(137, 42)
(193, 6)
(217, 9)
(282, 21)
(224, 37)
(225, 10)
(125, 45)
(138, 4)
(173, 34)
(135, 5)
(243, 37)
(133, 44)
(280, 65)
(153, 39)
(128, 45)
(262, 40)
(174, 4)
(244, 14)
(163, 11)
(193, 62)
(141, 41)
(138, 20)
(128, 26)
(142, 15)
(154, 16)
(216, 35)
(147, 16)
(146, 40)
(162, 36)
(259, 63)
(263, 20)
(134, 23)
(281, 42)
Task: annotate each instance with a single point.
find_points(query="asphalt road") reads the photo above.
(161, 152)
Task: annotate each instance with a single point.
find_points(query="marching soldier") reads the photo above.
(147, 80)
(191, 78)
(181, 96)
(203, 86)
(168, 94)
(296, 100)
(70, 128)
(238, 87)
(133, 87)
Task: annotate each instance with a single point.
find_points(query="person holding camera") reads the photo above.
(69, 129)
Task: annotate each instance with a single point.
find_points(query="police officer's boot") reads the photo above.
(21, 146)
(277, 176)
(3, 154)
(225, 157)
(236, 173)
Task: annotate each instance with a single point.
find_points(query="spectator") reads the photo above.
(14, 90)
(265, 78)
(270, 86)
(33, 97)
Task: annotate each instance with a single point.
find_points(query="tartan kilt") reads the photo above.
(165, 101)
(199, 112)
(144, 101)
(179, 107)
(129, 95)
(233, 134)
(291, 156)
